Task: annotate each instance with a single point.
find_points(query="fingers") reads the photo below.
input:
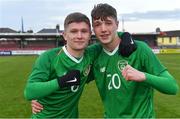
(36, 106)
(34, 110)
(34, 102)
(127, 72)
(131, 74)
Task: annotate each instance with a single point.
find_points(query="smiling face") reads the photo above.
(105, 25)
(77, 35)
(105, 30)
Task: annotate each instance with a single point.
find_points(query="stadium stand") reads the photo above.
(39, 44)
(13, 44)
(34, 42)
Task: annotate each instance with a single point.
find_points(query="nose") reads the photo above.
(79, 35)
(103, 28)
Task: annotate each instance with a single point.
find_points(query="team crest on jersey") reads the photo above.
(122, 64)
(87, 70)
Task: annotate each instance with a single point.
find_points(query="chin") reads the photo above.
(80, 48)
(105, 42)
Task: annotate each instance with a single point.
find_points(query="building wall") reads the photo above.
(167, 41)
(178, 41)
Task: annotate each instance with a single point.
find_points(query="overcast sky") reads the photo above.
(138, 15)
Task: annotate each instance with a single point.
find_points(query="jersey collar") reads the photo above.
(113, 52)
(70, 56)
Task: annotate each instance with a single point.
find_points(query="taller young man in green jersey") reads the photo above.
(59, 75)
(126, 84)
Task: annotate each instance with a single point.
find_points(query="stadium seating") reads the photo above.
(27, 45)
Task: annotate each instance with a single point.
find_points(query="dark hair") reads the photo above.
(76, 17)
(102, 11)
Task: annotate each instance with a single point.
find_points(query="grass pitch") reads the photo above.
(14, 71)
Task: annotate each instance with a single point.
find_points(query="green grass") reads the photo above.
(14, 72)
(167, 105)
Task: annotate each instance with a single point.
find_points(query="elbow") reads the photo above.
(31, 94)
(27, 95)
(174, 90)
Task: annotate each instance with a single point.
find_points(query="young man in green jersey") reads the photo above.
(59, 75)
(126, 83)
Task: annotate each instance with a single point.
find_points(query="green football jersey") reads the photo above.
(123, 98)
(43, 86)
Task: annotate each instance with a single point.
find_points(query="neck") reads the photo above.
(111, 46)
(75, 53)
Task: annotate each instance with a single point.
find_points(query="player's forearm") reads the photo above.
(164, 83)
(36, 90)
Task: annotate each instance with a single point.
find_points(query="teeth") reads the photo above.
(104, 35)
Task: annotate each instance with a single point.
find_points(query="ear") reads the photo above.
(92, 31)
(117, 23)
(64, 35)
(90, 35)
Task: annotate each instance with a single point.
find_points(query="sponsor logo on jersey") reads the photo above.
(132, 42)
(74, 80)
(103, 69)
